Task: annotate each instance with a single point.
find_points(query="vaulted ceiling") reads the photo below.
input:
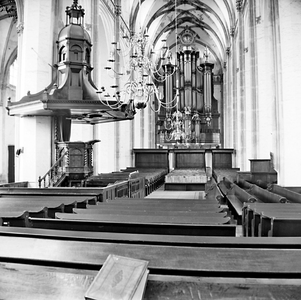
(8, 9)
(211, 21)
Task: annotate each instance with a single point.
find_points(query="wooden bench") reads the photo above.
(69, 201)
(235, 198)
(13, 208)
(213, 193)
(154, 177)
(130, 227)
(147, 212)
(262, 194)
(220, 173)
(72, 284)
(52, 191)
(235, 206)
(288, 225)
(161, 194)
(252, 212)
(16, 218)
(151, 239)
(141, 220)
(240, 262)
(163, 208)
(163, 201)
(288, 194)
(262, 221)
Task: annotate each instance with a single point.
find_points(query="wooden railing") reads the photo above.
(53, 176)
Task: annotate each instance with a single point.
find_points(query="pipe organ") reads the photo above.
(194, 119)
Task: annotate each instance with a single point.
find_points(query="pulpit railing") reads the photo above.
(54, 175)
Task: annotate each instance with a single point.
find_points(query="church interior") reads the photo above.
(150, 149)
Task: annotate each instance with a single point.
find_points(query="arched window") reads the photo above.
(62, 54)
(76, 53)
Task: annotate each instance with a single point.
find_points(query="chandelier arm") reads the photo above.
(156, 110)
(115, 106)
(169, 104)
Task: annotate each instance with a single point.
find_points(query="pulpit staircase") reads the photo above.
(73, 165)
(54, 177)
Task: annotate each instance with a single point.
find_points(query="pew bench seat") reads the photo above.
(162, 207)
(21, 281)
(130, 227)
(145, 219)
(152, 239)
(235, 207)
(252, 213)
(169, 194)
(146, 212)
(236, 262)
(54, 191)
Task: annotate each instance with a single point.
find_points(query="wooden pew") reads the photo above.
(145, 219)
(213, 193)
(240, 262)
(154, 178)
(262, 194)
(252, 212)
(163, 201)
(262, 221)
(157, 209)
(53, 191)
(15, 213)
(69, 201)
(130, 227)
(161, 194)
(48, 201)
(282, 225)
(146, 212)
(15, 184)
(220, 173)
(288, 194)
(162, 208)
(21, 281)
(151, 239)
(236, 198)
(15, 218)
(14, 210)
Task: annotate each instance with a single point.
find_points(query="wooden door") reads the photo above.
(11, 163)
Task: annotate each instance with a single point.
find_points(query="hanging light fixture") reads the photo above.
(144, 73)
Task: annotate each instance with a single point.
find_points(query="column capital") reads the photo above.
(239, 5)
(228, 51)
(117, 10)
(20, 28)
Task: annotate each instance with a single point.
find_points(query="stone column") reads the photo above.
(287, 26)
(242, 97)
(35, 72)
